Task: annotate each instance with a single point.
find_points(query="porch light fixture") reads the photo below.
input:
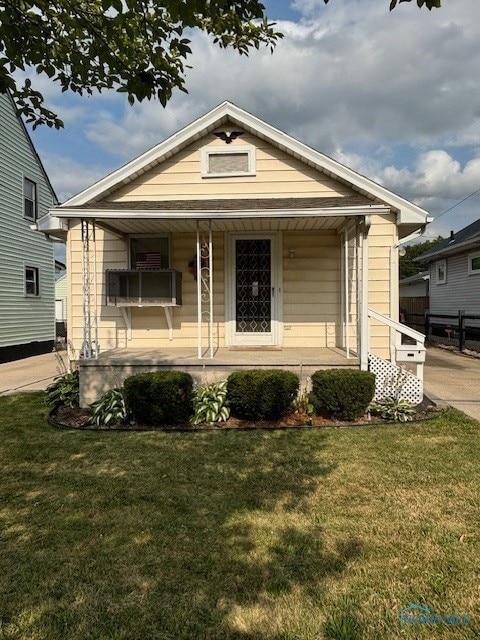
(291, 252)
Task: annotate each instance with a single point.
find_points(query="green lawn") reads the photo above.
(301, 534)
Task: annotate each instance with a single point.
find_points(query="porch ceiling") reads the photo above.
(129, 226)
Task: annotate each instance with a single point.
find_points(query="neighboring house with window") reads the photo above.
(454, 270)
(27, 271)
(61, 308)
(232, 245)
(414, 299)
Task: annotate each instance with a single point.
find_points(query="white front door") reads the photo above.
(254, 290)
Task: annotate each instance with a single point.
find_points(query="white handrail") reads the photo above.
(398, 326)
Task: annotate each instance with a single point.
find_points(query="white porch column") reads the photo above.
(364, 321)
(204, 288)
(89, 267)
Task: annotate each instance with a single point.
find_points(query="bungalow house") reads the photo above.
(27, 268)
(233, 245)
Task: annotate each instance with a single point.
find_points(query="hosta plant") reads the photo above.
(302, 404)
(395, 409)
(63, 391)
(110, 409)
(209, 404)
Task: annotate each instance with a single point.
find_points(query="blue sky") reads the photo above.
(395, 96)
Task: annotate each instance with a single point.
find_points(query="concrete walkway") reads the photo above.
(453, 378)
(29, 374)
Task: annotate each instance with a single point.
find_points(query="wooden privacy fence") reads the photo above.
(409, 305)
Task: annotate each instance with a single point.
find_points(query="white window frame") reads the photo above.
(35, 199)
(471, 256)
(140, 236)
(438, 264)
(215, 151)
(36, 270)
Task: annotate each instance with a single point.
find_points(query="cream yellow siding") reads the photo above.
(311, 264)
(382, 236)
(311, 289)
(277, 174)
(149, 326)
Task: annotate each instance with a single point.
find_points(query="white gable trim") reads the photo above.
(409, 213)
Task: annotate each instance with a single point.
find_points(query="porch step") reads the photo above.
(255, 348)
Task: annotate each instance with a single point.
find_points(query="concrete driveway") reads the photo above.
(29, 374)
(453, 378)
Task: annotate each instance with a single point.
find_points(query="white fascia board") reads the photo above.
(136, 214)
(409, 213)
(50, 223)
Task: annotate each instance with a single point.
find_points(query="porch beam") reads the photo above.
(107, 227)
(139, 214)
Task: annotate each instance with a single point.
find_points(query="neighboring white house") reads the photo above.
(415, 286)
(61, 309)
(454, 269)
(27, 271)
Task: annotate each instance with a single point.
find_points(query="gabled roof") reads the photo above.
(418, 277)
(457, 242)
(32, 147)
(409, 213)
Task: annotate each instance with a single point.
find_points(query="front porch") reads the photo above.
(112, 367)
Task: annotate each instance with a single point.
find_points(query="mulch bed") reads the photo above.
(77, 418)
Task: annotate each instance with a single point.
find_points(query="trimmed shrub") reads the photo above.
(342, 394)
(161, 397)
(261, 394)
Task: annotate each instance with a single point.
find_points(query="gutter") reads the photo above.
(394, 283)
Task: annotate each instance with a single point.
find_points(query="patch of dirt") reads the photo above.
(77, 418)
(74, 417)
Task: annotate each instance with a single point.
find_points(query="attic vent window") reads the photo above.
(219, 163)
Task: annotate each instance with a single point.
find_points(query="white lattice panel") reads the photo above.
(387, 377)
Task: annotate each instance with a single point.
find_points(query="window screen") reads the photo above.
(30, 199)
(31, 281)
(149, 253)
(228, 163)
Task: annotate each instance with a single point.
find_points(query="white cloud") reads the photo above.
(436, 182)
(350, 73)
(68, 176)
(349, 76)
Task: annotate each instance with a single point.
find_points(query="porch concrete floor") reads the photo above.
(330, 356)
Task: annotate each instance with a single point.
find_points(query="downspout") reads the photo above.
(394, 288)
